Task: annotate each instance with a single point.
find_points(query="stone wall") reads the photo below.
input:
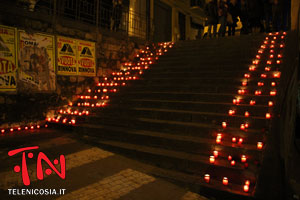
(112, 49)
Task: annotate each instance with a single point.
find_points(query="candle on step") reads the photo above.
(247, 114)
(207, 178)
(270, 103)
(252, 102)
(259, 145)
(212, 159)
(233, 139)
(224, 124)
(232, 163)
(216, 153)
(243, 158)
(246, 188)
(225, 181)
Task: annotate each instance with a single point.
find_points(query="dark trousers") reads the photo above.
(231, 29)
(222, 29)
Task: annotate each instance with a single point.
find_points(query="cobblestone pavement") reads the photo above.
(91, 172)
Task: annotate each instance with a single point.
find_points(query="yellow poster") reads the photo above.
(8, 66)
(36, 60)
(66, 56)
(86, 58)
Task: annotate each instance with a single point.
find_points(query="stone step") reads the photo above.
(206, 88)
(255, 122)
(167, 170)
(222, 107)
(206, 97)
(164, 140)
(180, 161)
(204, 130)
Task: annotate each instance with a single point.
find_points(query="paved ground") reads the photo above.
(91, 172)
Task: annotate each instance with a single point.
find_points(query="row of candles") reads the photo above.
(270, 41)
(147, 58)
(30, 126)
(99, 95)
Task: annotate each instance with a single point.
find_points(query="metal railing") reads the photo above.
(102, 14)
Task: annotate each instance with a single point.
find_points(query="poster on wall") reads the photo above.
(66, 56)
(8, 66)
(86, 58)
(36, 62)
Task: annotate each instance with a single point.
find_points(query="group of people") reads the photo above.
(255, 16)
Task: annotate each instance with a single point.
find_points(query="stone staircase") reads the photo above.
(202, 110)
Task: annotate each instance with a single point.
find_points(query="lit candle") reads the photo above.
(246, 188)
(244, 83)
(279, 56)
(271, 51)
(243, 159)
(224, 124)
(225, 181)
(276, 75)
(246, 125)
(242, 127)
(19, 128)
(273, 84)
(11, 130)
(216, 154)
(270, 103)
(252, 68)
(259, 145)
(267, 69)
(272, 56)
(2, 131)
(278, 61)
(263, 75)
(233, 139)
(260, 84)
(272, 93)
(229, 157)
(268, 115)
(212, 159)
(26, 128)
(241, 140)
(231, 112)
(242, 91)
(247, 114)
(257, 92)
(207, 178)
(247, 182)
(252, 102)
(232, 163)
(247, 75)
(269, 62)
